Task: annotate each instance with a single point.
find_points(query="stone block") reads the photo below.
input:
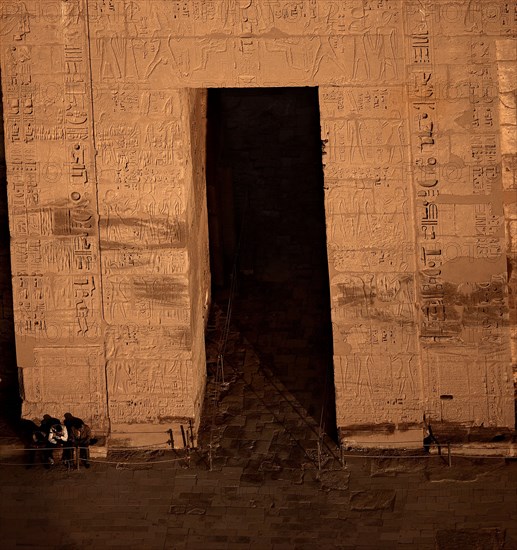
(372, 500)
(476, 539)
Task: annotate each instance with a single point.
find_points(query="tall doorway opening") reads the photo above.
(267, 227)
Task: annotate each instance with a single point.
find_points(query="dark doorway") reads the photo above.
(10, 402)
(266, 217)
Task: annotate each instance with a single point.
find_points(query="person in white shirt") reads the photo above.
(57, 436)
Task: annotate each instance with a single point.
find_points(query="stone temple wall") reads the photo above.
(104, 114)
(8, 374)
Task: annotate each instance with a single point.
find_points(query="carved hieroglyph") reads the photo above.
(104, 114)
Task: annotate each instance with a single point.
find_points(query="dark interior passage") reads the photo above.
(265, 202)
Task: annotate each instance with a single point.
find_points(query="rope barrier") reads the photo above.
(344, 457)
(444, 445)
(97, 461)
(143, 447)
(154, 448)
(70, 460)
(165, 446)
(427, 455)
(121, 462)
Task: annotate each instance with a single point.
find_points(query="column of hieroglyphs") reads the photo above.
(456, 162)
(506, 51)
(369, 227)
(52, 205)
(142, 132)
(8, 370)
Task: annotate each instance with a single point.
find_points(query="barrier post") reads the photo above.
(171, 438)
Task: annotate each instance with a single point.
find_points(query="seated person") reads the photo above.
(57, 436)
(34, 439)
(80, 437)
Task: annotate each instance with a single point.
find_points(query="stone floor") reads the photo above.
(262, 478)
